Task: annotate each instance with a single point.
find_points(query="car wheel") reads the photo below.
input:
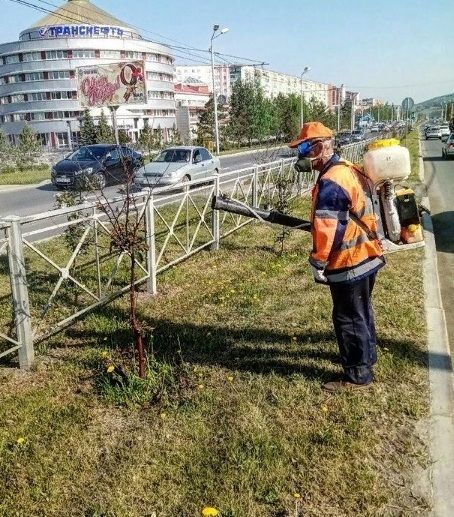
(185, 183)
(100, 181)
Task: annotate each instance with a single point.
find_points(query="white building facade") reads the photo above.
(273, 83)
(38, 73)
(203, 74)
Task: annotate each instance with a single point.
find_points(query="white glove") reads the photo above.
(319, 275)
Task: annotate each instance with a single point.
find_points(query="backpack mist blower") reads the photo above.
(398, 216)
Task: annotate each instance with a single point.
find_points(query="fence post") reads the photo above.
(151, 245)
(255, 187)
(215, 221)
(19, 289)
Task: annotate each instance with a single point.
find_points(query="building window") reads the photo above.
(81, 54)
(59, 74)
(39, 115)
(111, 54)
(34, 76)
(60, 95)
(37, 96)
(31, 56)
(129, 54)
(62, 139)
(56, 54)
(19, 117)
(14, 58)
(20, 97)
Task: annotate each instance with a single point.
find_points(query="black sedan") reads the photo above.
(95, 166)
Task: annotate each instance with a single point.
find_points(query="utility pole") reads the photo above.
(216, 34)
(306, 69)
(339, 104)
(113, 111)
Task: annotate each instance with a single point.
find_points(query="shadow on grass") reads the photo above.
(254, 350)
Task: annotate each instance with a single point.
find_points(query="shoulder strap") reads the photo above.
(371, 234)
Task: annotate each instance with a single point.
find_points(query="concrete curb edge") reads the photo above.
(440, 376)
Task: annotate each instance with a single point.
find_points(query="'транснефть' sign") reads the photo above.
(82, 31)
(111, 85)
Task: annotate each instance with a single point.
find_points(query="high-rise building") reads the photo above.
(38, 73)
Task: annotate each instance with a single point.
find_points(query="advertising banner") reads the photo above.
(114, 84)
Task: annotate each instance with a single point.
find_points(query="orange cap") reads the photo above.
(312, 130)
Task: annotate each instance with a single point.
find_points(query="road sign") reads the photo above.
(408, 103)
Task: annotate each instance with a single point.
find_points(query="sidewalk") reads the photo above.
(440, 378)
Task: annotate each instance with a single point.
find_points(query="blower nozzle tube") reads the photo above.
(271, 216)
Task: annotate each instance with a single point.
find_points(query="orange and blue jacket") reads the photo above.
(341, 247)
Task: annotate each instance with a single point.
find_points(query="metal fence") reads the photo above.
(57, 266)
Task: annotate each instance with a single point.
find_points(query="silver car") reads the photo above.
(448, 147)
(176, 166)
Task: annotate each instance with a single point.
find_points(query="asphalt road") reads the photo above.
(35, 200)
(439, 178)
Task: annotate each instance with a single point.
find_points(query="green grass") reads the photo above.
(231, 414)
(27, 177)
(411, 141)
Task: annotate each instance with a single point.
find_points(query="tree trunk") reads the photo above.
(135, 325)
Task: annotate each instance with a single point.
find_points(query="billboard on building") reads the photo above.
(113, 84)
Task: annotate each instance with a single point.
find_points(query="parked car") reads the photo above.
(375, 128)
(343, 138)
(95, 165)
(358, 135)
(177, 166)
(448, 147)
(445, 132)
(433, 132)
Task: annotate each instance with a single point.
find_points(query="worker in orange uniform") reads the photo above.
(346, 253)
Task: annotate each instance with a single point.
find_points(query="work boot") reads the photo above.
(343, 385)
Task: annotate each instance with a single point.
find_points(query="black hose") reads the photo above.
(271, 216)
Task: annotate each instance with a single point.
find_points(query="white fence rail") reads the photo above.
(57, 266)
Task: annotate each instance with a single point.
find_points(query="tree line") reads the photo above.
(251, 117)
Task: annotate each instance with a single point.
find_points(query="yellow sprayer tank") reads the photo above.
(386, 160)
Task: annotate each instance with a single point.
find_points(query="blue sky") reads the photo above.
(386, 49)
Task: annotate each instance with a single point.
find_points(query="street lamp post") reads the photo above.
(306, 69)
(216, 34)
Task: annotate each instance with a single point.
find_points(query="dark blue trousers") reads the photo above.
(353, 319)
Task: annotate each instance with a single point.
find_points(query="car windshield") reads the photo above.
(174, 155)
(87, 153)
(357, 132)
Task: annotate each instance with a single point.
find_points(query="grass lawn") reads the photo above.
(232, 414)
(26, 177)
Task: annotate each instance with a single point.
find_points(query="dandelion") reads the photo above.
(296, 495)
(201, 386)
(232, 291)
(386, 349)
(255, 297)
(110, 368)
(294, 338)
(230, 378)
(20, 440)
(163, 415)
(324, 409)
(104, 354)
(210, 511)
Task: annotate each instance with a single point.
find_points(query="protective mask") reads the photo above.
(303, 164)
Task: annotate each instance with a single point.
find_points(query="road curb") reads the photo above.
(440, 377)
(13, 188)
